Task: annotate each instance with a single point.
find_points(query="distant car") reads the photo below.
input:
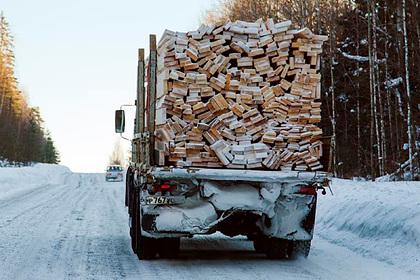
(114, 173)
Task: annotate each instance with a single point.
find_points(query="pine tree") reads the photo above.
(50, 152)
(22, 133)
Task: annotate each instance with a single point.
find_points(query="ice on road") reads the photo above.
(77, 228)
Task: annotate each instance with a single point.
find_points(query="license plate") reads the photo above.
(160, 200)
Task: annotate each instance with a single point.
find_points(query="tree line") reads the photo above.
(371, 95)
(23, 137)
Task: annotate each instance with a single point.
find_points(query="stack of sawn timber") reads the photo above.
(240, 95)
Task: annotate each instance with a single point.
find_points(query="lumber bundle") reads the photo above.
(240, 95)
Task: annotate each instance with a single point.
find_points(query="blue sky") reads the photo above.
(76, 60)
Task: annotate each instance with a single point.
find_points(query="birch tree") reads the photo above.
(407, 87)
(117, 155)
(379, 124)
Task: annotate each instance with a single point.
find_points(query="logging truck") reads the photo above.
(275, 209)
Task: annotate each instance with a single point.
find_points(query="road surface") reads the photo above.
(79, 230)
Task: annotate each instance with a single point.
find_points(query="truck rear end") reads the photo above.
(180, 184)
(276, 210)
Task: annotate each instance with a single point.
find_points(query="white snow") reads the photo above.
(394, 82)
(359, 58)
(15, 180)
(241, 197)
(355, 57)
(55, 224)
(6, 163)
(380, 220)
(193, 217)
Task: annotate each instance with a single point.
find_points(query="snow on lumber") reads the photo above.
(240, 95)
(15, 180)
(378, 219)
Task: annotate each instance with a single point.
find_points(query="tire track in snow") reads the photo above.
(48, 195)
(31, 232)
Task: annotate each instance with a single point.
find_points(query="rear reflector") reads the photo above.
(307, 190)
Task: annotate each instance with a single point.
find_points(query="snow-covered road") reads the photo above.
(77, 229)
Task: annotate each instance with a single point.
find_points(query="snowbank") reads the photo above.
(15, 180)
(377, 219)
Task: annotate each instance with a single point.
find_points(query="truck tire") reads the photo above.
(299, 248)
(277, 248)
(144, 247)
(131, 204)
(128, 181)
(135, 221)
(260, 244)
(169, 247)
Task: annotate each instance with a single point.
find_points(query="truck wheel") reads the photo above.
(260, 244)
(169, 247)
(127, 186)
(135, 222)
(277, 248)
(299, 248)
(130, 211)
(144, 247)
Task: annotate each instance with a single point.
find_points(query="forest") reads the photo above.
(23, 137)
(370, 85)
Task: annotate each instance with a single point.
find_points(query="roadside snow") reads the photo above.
(6, 163)
(15, 180)
(380, 220)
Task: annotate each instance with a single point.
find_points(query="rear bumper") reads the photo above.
(269, 209)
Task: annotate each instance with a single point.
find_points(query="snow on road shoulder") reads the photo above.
(16, 180)
(377, 219)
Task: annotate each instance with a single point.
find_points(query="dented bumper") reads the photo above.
(276, 208)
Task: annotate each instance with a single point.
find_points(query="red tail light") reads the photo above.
(308, 190)
(165, 187)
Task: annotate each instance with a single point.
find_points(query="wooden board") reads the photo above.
(239, 95)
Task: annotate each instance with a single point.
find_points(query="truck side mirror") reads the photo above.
(119, 121)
